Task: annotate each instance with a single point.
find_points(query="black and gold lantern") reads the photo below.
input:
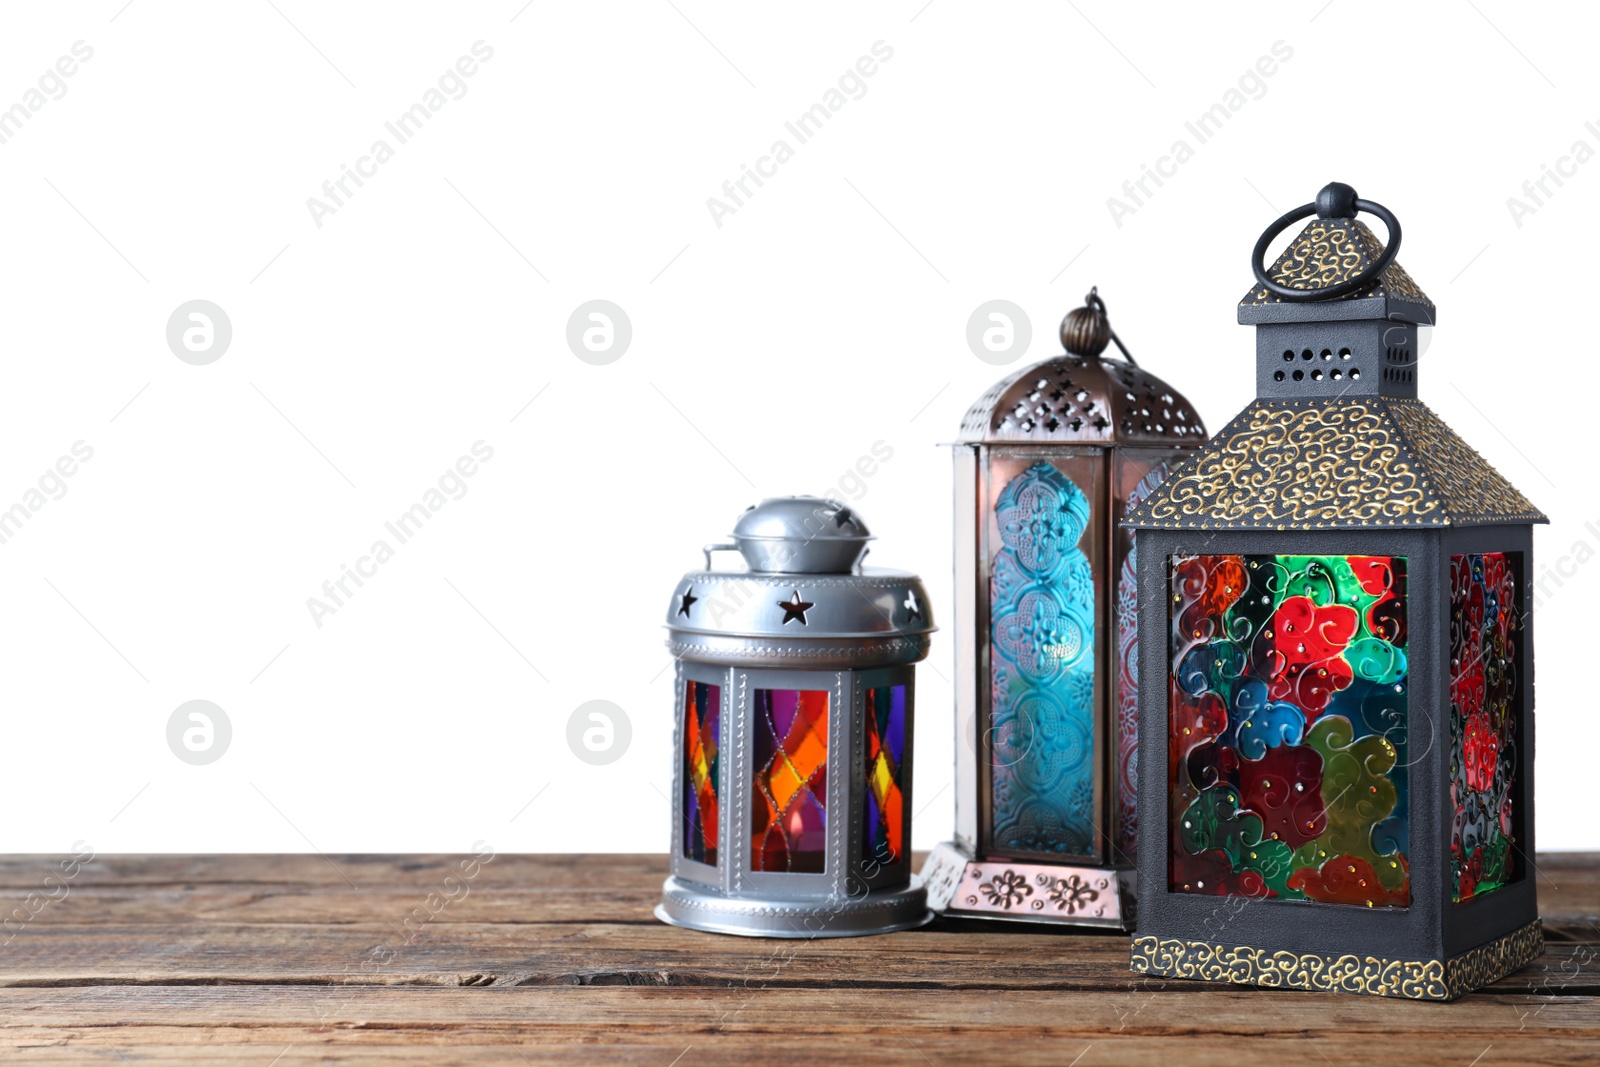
(1048, 462)
(1337, 720)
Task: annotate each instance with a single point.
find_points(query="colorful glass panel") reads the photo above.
(883, 838)
(1287, 743)
(789, 809)
(1485, 704)
(702, 713)
(1042, 669)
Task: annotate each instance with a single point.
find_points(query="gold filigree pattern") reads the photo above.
(1473, 490)
(1371, 975)
(1331, 251)
(1492, 962)
(1310, 465)
(1283, 464)
(1326, 253)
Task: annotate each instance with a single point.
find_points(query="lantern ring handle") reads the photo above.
(1328, 205)
(708, 549)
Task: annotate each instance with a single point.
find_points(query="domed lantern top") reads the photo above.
(801, 535)
(1080, 398)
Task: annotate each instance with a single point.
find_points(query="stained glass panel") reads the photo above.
(1042, 604)
(883, 838)
(789, 809)
(702, 713)
(1485, 705)
(1287, 743)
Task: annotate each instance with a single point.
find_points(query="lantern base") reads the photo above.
(701, 907)
(1412, 979)
(960, 886)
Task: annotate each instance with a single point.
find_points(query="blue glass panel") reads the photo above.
(1042, 669)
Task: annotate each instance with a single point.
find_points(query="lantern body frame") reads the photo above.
(1435, 948)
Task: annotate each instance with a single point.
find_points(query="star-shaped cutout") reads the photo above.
(843, 517)
(913, 609)
(794, 608)
(687, 599)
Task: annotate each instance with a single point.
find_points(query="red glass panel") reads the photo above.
(883, 840)
(702, 711)
(1485, 709)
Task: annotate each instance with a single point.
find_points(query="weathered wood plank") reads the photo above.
(797, 1043)
(1214, 1025)
(607, 954)
(365, 870)
(123, 890)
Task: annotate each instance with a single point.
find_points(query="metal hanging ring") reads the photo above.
(1349, 285)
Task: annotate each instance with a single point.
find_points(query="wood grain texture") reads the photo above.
(276, 961)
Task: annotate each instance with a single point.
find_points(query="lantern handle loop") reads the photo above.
(1093, 300)
(708, 549)
(1335, 201)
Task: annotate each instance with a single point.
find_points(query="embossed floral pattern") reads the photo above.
(1071, 894)
(1007, 890)
(1042, 603)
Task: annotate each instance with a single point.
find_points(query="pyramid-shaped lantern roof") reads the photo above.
(1336, 437)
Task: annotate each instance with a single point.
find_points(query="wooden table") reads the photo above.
(291, 960)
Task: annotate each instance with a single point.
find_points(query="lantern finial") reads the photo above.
(1336, 200)
(1087, 330)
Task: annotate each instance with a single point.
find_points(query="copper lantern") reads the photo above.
(1046, 466)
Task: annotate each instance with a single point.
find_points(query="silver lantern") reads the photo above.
(791, 801)
(1049, 461)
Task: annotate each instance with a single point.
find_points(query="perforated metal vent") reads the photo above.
(1083, 398)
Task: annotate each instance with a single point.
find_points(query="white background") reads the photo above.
(827, 313)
